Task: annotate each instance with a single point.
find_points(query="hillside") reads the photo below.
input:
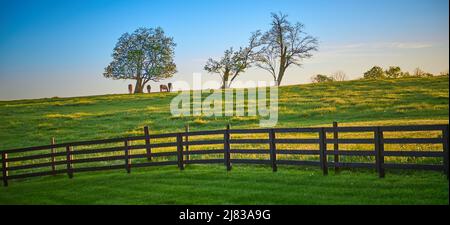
(401, 101)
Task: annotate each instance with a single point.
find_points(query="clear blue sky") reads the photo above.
(60, 48)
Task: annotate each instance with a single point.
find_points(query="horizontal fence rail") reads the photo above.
(181, 156)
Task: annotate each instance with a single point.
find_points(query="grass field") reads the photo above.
(402, 101)
(361, 102)
(243, 185)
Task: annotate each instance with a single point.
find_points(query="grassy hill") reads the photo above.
(360, 102)
(401, 101)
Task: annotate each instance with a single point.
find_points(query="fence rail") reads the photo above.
(182, 152)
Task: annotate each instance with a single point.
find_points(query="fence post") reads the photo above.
(273, 149)
(379, 152)
(323, 151)
(226, 148)
(336, 147)
(186, 128)
(147, 143)
(69, 161)
(180, 150)
(445, 147)
(52, 151)
(5, 168)
(127, 157)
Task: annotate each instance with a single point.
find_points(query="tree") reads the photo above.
(375, 73)
(406, 74)
(420, 73)
(319, 78)
(145, 55)
(393, 72)
(339, 76)
(233, 62)
(284, 45)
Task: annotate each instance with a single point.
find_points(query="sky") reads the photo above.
(60, 48)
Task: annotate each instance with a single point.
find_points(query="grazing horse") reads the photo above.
(130, 88)
(149, 88)
(169, 85)
(163, 88)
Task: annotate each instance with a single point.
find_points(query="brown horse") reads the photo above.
(130, 88)
(163, 88)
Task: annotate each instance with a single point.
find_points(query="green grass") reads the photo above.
(384, 102)
(211, 184)
(402, 101)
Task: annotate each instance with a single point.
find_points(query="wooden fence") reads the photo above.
(182, 152)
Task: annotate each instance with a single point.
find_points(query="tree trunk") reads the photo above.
(282, 65)
(225, 85)
(275, 80)
(138, 88)
(280, 77)
(226, 76)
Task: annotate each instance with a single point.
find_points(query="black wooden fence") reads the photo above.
(182, 152)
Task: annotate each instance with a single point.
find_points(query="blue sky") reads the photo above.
(60, 48)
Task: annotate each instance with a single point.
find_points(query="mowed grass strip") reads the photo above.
(210, 184)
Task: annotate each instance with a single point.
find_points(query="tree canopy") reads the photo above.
(375, 73)
(144, 55)
(320, 78)
(394, 72)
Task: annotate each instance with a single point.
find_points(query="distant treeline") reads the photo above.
(376, 72)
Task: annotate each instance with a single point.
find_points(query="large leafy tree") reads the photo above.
(145, 55)
(232, 63)
(285, 44)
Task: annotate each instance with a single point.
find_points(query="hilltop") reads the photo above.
(394, 101)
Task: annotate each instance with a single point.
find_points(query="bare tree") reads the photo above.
(284, 45)
(339, 76)
(233, 62)
(418, 72)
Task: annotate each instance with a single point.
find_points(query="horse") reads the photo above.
(130, 89)
(163, 88)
